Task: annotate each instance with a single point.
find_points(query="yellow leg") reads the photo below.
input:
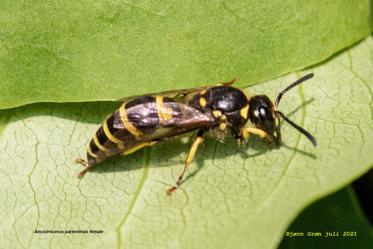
(228, 83)
(231, 82)
(191, 155)
(255, 131)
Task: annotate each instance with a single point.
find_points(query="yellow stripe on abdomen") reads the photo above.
(111, 137)
(164, 113)
(100, 146)
(127, 124)
(90, 152)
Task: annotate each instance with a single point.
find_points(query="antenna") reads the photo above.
(300, 129)
(301, 80)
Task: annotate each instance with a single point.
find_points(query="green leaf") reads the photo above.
(340, 213)
(5, 115)
(232, 198)
(74, 51)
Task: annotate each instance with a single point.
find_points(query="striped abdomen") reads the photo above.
(142, 122)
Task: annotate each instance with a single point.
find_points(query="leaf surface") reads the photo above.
(233, 197)
(75, 51)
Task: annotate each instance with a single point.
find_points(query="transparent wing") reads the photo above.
(174, 115)
(180, 95)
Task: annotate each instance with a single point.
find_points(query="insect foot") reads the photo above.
(85, 164)
(171, 190)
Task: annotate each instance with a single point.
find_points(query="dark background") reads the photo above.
(349, 209)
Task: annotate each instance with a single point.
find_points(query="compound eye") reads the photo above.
(266, 119)
(264, 113)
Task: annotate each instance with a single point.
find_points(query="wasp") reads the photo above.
(219, 110)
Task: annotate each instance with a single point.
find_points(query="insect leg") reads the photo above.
(139, 146)
(81, 161)
(85, 164)
(255, 131)
(227, 83)
(193, 150)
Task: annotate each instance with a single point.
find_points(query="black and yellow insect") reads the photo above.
(219, 110)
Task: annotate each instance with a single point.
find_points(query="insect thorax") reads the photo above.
(228, 105)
